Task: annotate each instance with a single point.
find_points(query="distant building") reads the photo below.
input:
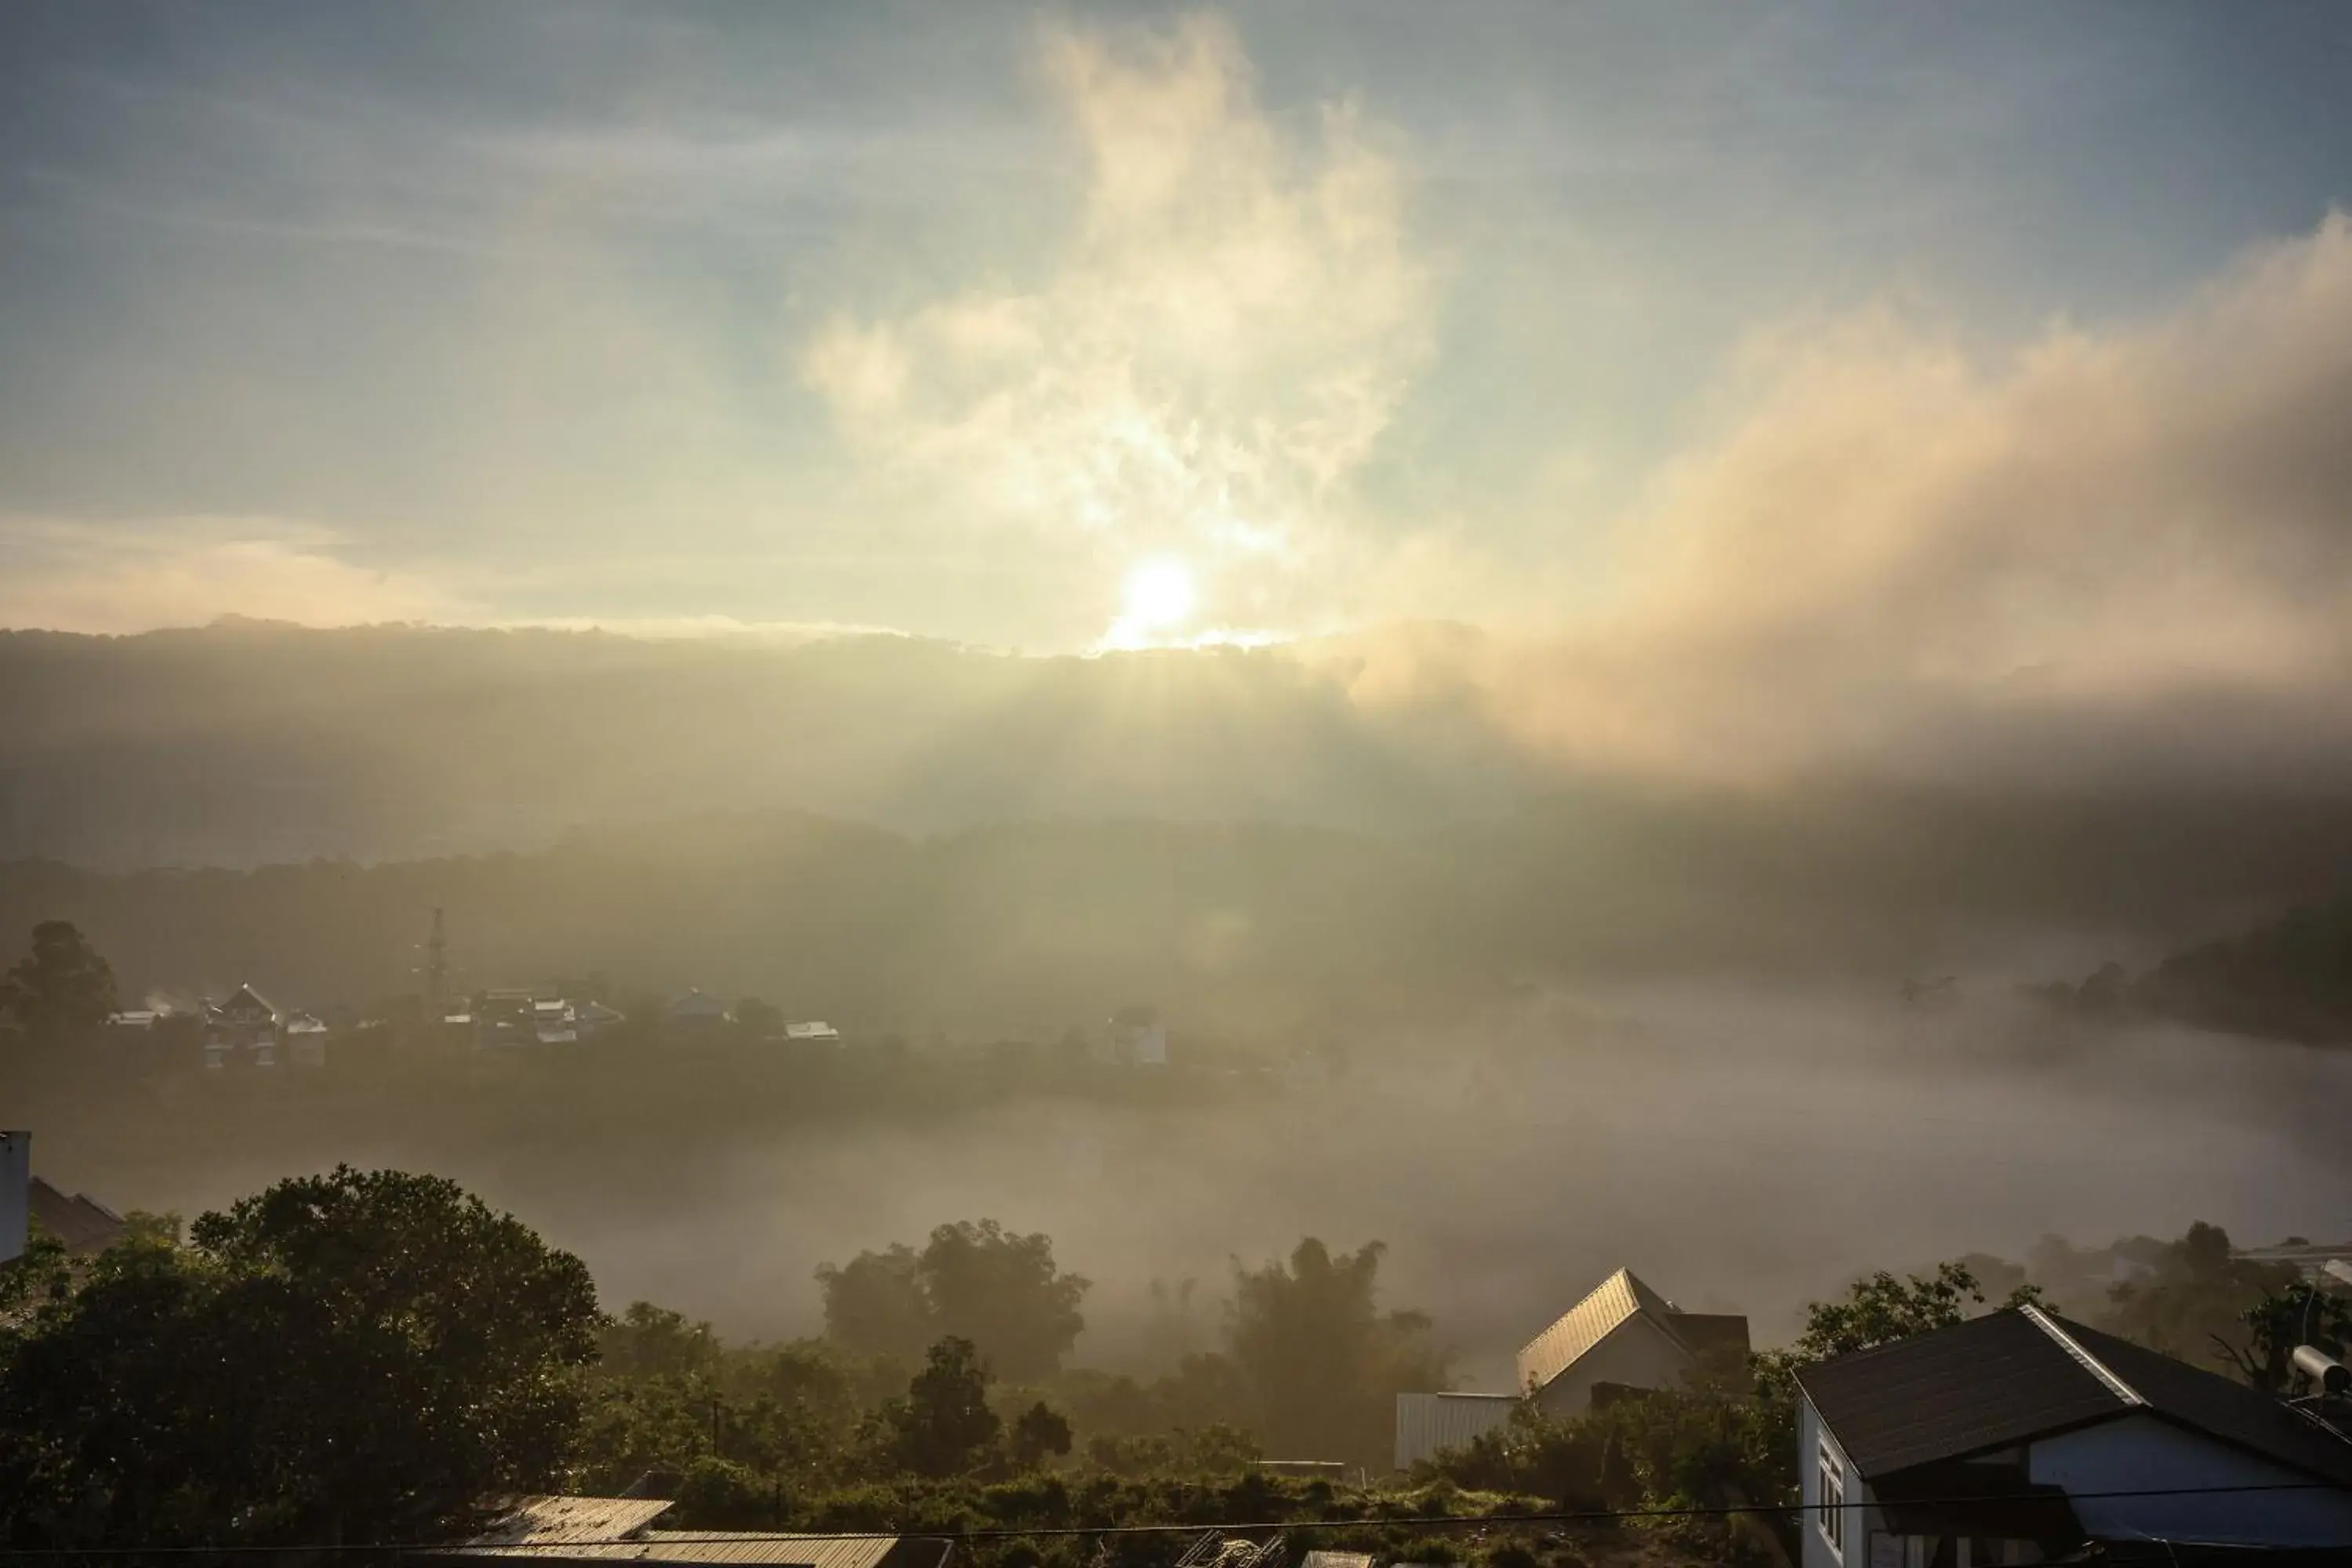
(1626, 1335)
(2020, 1437)
(15, 1193)
(305, 1038)
(591, 1018)
(1429, 1424)
(814, 1032)
(1136, 1039)
(241, 1031)
(694, 1010)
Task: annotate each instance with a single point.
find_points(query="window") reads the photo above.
(1829, 1503)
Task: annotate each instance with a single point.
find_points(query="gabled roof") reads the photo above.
(81, 1222)
(248, 995)
(2014, 1376)
(1621, 1296)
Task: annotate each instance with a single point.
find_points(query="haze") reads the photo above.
(1569, 550)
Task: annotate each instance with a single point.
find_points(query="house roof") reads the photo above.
(250, 996)
(2017, 1374)
(697, 1002)
(594, 1529)
(81, 1222)
(1621, 1296)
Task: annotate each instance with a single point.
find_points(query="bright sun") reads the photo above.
(1159, 595)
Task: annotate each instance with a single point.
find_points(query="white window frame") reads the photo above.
(1829, 1498)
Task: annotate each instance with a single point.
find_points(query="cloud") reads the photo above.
(129, 578)
(2112, 546)
(1208, 358)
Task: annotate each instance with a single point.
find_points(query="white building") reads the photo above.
(1429, 1424)
(1626, 1335)
(2018, 1435)
(1623, 1335)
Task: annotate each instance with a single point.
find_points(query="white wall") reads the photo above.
(1813, 1548)
(1637, 1352)
(1428, 1423)
(2141, 1453)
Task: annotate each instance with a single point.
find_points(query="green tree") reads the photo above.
(2196, 1299)
(973, 1280)
(1881, 1309)
(350, 1357)
(2300, 1314)
(60, 992)
(1039, 1433)
(876, 1304)
(944, 1425)
(1323, 1363)
(757, 1018)
(1002, 1291)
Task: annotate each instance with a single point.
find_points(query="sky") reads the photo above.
(1874, 359)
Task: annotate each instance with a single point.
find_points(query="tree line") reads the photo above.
(376, 1356)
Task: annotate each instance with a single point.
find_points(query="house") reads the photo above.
(305, 1037)
(15, 1193)
(696, 1011)
(2020, 1435)
(84, 1224)
(1625, 1335)
(586, 1530)
(591, 1018)
(1429, 1424)
(814, 1032)
(553, 1021)
(1137, 1038)
(241, 1031)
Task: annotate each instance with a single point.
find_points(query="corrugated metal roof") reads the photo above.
(1427, 1423)
(558, 1530)
(547, 1521)
(1335, 1560)
(744, 1546)
(1584, 1325)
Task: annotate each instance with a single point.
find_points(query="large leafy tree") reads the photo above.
(973, 1280)
(944, 1425)
(1323, 1362)
(62, 990)
(354, 1357)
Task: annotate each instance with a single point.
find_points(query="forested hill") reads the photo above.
(2289, 978)
(1046, 923)
(243, 744)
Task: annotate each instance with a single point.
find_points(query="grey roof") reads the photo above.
(1621, 1296)
(2221, 1406)
(2014, 1376)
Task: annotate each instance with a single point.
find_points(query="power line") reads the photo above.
(1010, 1532)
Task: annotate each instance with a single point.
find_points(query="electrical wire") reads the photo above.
(1013, 1533)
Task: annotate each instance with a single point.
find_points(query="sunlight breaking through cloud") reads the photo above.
(1210, 362)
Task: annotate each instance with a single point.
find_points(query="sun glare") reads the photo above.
(1159, 595)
